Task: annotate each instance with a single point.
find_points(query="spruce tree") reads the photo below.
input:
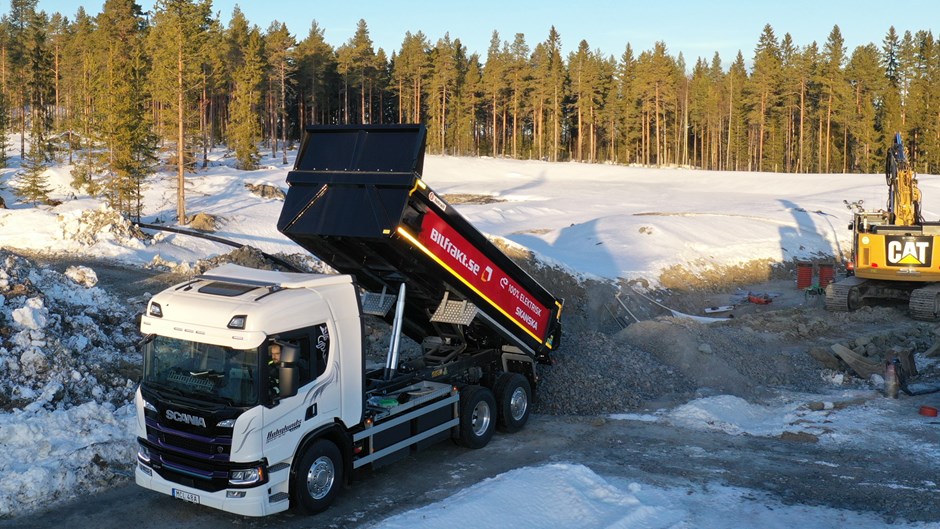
(124, 119)
(866, 78)
(244, 128)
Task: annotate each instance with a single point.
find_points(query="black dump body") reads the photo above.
(357, 202)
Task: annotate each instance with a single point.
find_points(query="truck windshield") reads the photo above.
(202, 371)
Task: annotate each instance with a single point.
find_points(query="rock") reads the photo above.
(800, 437)
(202, 222)
(82, 275)
(266, 191)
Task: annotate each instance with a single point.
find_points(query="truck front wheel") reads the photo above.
(513, 396)
(477, 416)
(318, 477)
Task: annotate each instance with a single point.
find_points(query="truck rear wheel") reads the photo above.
(318, 477)
(513, 398)
(477, 416)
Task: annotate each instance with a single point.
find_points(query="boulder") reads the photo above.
(266, 191)
(203, 222)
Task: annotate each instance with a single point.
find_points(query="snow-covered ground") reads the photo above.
(62, 425)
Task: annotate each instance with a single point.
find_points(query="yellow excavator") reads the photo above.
(896, 255)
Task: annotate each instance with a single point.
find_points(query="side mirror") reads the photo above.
(289, 353)
(289, 380)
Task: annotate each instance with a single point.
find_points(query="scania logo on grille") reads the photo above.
(186, 418)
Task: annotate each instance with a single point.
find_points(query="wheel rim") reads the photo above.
(320, 478)
(518, 404)
(481, 418)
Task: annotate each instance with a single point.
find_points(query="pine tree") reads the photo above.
(657, 88)
(556, 79)
(921, 103)
(579, 71)
(519, 78)
(470, 107)
(737, 156)
(836, 93)
(176, 45)
(761, 93)
(539, 95)
(316, 64)
(357, 65)
(495, 86)
(629, 107)
(410, 70)
(279, 44)
(22, 14)
(442, 88)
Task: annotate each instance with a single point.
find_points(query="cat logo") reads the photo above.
(908, 251)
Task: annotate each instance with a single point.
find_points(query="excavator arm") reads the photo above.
(903, 193)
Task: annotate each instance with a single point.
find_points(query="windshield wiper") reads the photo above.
(208, 373)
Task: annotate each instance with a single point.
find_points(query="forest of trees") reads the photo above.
(123, 93)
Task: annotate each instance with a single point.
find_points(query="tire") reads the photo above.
(513, 401)
(477, 416)
(318, 477)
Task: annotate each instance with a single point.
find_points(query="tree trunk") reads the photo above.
(284, 113)
(828, 128)
(799, 163)
(180, 139)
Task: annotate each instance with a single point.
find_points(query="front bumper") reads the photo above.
(269, 498)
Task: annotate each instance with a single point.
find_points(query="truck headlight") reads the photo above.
(248, 476)
(143, 453)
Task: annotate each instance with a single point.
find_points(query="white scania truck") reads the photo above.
(225, 421)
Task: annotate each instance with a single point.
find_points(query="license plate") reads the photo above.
(185, 496)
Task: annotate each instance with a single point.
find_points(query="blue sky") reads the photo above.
(695, 28)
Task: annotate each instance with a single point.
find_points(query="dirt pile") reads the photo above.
(665, 360)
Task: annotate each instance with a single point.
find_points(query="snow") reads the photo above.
(64, 424)
(568, 496)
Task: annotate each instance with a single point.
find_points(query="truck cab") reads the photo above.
(216, 414)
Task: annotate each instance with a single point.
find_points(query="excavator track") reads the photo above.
(925, 303)
(846, 295)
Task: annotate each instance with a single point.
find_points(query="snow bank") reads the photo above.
(67, 356)
(568, 496)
